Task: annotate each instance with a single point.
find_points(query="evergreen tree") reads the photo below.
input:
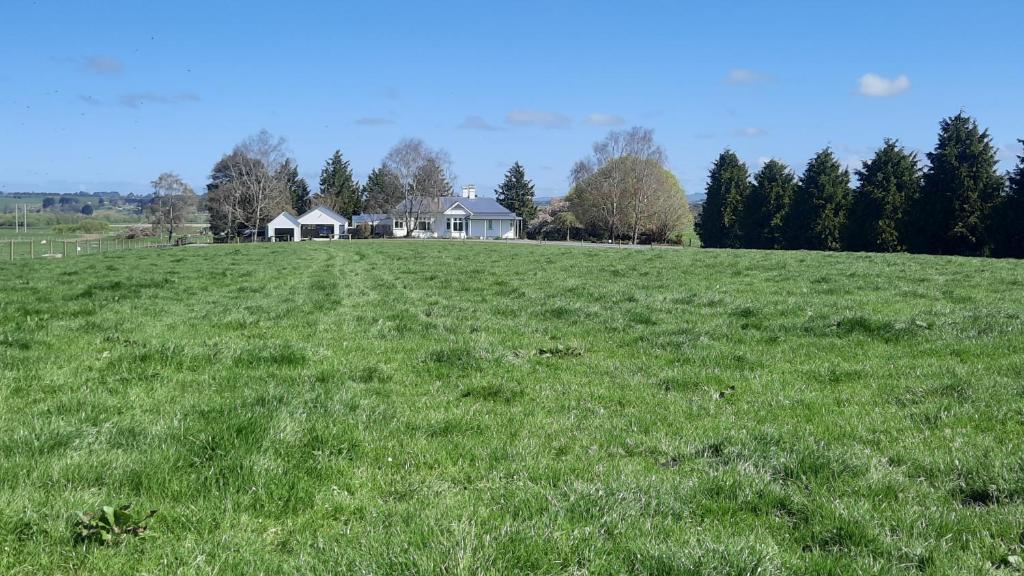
(298, 189)
(516, 193)
(817, 212)
(338, 189)
(1008, 220)
(960, 187)
(728, 186)
(382, 191)
(764, 210)
(887, 185)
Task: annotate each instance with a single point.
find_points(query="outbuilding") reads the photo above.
(284, 228)
(320, 223)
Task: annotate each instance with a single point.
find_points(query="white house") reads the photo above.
(319, 223)
(463, 216)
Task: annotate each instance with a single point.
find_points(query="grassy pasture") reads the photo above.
(441, 407)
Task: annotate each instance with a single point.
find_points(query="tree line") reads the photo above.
(257, 180)
(958, 204)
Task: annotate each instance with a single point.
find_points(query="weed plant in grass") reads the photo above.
(441, 407)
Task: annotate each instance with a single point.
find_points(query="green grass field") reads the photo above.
(393, 407)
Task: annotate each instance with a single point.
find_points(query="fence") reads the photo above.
(47, 248)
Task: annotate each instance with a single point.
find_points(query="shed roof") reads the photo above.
(326, 212)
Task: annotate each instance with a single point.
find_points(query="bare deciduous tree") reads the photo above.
(248, 185)
(172, 204)
(425, 174)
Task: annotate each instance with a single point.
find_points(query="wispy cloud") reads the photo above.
(746, 76)
(878, 86)
(537, 118)
(90, 100)
(140, 99)
(373, 121)
(477, 123)
(751, 132)
(103, 65)
(603, 119)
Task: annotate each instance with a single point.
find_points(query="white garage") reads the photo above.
(284, 228)
(320, 223)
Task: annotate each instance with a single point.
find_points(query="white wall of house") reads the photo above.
(472, 227)
(483, 227)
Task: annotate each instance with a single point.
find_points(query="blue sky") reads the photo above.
(106, 95)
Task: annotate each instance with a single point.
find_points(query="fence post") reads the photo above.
(31, 249)
(65, 248)
(12, 250)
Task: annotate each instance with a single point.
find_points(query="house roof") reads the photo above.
(475, 206)
(326, 212)
(360, 218)
(286, 216)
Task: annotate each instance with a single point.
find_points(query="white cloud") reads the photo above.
(752, 132)
(603, 119)
(138, 99)
(477, 123)
(537, 118)
(762, 160)
(746, 76)
(373, 121)
(103, 65)
(879, 86)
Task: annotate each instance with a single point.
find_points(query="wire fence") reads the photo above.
(27, 249)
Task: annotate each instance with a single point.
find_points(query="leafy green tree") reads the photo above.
(728, 186)
(49, 202)
(764, 210)
(338, 189)
(1008, 220)
(87, 209)
(516, 193)
(298, 189)
(960, 187)
(888, 184)
(382, 191)
(817, 212)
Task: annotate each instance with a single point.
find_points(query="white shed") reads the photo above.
(322, 222)
(284, 228)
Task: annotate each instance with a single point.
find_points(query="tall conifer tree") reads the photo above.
(727, 189)
(298, 189)
(339, 191)
(960, 187)
(764, 210)
(516, 193)
(888, 184)
(817, 212)
(1008, 221)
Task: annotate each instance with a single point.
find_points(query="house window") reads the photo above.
(424, 225)
(490, 224)
(399, 225)
(457, 224)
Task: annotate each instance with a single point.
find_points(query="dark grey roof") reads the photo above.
(475, 206)
(360, 218)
